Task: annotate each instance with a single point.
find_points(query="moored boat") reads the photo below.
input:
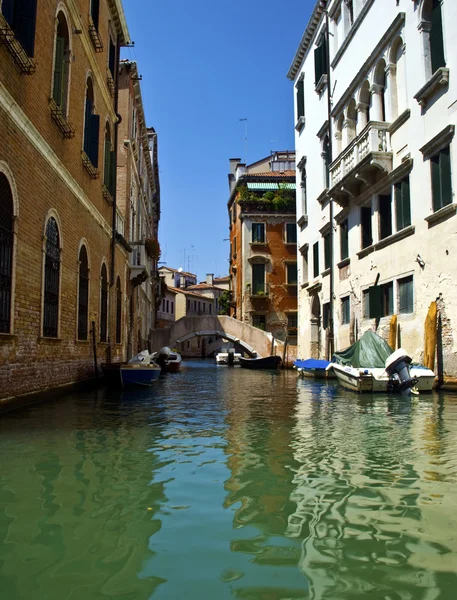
(140, 371)
(313, 367)
(229, 358)
(168, 360)
(266, 362)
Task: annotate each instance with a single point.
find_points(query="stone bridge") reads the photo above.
(253, 340)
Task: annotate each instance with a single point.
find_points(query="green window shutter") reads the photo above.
(326, 315)
(344, 240)
(388, 305)
(107, 162)
(258, 278)
(436, 183)
(94, 135)
(112, 182)
(445, 176)
(112, 58)
(87, 122)
(436, 37)
(316, 259)
(59, 70)
(375, 302)
(406, 299)
(406, 202)
(327, 258)
(300, 99)
(385, 214)
(24, 24)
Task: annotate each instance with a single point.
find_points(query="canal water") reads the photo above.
(224, 483)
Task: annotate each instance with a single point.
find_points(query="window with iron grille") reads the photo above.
(51, 280)
(83, 294)
(118, 311)
(6, 253)
(103, 304)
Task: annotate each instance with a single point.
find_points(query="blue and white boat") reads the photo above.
(141, 371)
(313, 367)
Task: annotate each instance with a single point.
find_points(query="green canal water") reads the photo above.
(225, 483)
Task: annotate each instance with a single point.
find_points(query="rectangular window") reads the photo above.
(259, 321)
(326, 315)
(345, 310)
(365, 221)
(300, 98)
(291, 233)
(385, 216)
(258, 278)
(441, 179)
(172, 308)
(327, 254)
(405, 295)
(258, 233)
(316, 259)
(292, 324)
(292, 273)
(344, 240)
(402, 204)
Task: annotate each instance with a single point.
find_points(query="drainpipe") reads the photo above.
(331, 341)
(116, 135)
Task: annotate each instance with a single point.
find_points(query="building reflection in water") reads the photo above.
(78, 510)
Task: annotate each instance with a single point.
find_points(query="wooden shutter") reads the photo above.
(107, 162)
(300, 99)
(406, 295)
(406, 202)
(445, 176)
(375, 300)
(25, 21)
(327, 258)
(87, 122)
(344, 240)
(316, 259)
(317, 64)
(93, 141)
(385, 214)
(59, 71)
(436, 37)
(112, 179)
(436, 183)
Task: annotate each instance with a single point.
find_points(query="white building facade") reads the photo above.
(376, 164)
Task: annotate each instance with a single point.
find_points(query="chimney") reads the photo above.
(210, 278)
(233, 164)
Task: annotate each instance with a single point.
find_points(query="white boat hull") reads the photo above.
(377, 380)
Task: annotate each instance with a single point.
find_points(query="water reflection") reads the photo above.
(222, 483)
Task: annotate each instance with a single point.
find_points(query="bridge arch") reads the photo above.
(254, 341)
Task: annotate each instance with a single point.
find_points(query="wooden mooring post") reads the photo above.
(94, 346)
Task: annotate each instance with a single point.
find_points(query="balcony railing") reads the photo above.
(368, 151)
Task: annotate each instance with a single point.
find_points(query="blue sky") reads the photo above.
(206, 64)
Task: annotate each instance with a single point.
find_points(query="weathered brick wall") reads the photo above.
(29, 362)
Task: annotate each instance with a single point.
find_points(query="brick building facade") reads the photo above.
(61, 273)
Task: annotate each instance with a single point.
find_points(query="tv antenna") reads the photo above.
(245, 140)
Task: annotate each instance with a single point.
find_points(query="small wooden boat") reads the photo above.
(267, 362)
(140, 371)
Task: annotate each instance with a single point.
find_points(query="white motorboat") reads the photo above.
(228, 358)
(396, 377)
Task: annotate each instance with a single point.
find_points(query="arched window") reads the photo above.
(6, 252)
(61, 64)
(396, 79)
(432, 30)
(51, 280)
(91, 125)
(351, 122)
(83, 294)
(377, 107)
(118, 311)
(104, 304)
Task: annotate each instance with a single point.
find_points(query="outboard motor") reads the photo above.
(397, 367)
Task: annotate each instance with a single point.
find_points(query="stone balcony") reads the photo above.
(361, 164)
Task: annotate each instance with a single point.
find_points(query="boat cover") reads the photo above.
(311, 363)
(370, 351)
